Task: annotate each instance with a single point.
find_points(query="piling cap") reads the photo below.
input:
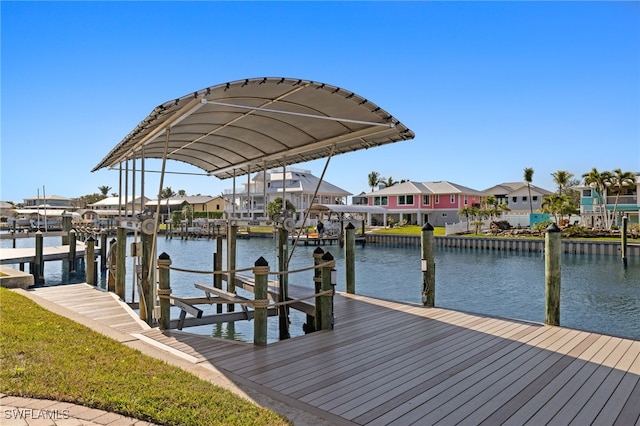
(553, 228)
(261, 262)
(91, 238)
(327, 257)
(427, 227)
(164, 256)
(318, 250)
(350, 226)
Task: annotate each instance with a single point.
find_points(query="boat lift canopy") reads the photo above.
(245, 126)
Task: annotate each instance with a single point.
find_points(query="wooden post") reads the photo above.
(552, 255)
(103, 250)
(260, 271)
(350, 258)
(72, 251)
(121, 259)
(313, 322)
(38, 265)
(147, 280)
(13, 233)
(90, 259)
(113, 256)
(623, 241)
(428, 266)
(284, 283)
(217, 266)
(66, 227)
(326, 301)
(232, 231)
(164, 290)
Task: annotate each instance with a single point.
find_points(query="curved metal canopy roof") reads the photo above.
(256, 124)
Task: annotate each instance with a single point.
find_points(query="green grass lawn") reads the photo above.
(44, 355)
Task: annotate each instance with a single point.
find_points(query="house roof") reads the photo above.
(176, 201)
(244, 126)
(307, 183)
(507, 188)
(437, 187)
(113, 201)
(48, 197)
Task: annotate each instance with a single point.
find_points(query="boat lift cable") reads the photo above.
(308, 212)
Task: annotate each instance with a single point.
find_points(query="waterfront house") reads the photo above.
(418, 203)
(516, 196)
(594, 205)
(49, 201)
(198, 203)
(107, 209)
(295, 185)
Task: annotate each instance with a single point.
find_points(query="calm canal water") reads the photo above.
(598, 294)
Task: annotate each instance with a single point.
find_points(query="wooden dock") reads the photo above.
(389, 363)
(12, 256)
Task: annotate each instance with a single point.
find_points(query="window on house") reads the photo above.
(437, 198)
(380, 201)
(524, 199)
(586, 192)
(452, 198)
(405, 200)
(534, 198)
(426, 200)
(466, 200)
(444, 215)
(514, 199)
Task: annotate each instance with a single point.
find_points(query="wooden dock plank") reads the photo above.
(93, 303)
(390, 363)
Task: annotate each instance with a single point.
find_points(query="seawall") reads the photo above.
(508, 244)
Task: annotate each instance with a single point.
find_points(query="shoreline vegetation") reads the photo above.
(44, 355)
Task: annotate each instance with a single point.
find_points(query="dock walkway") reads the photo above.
(393, 363)
(14, 256)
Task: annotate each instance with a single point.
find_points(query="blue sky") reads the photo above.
(489, 88)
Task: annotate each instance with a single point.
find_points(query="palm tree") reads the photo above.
(598, 181)
(528, 177)
(619, 179)
(389, 182)
(104, 189)
(167, 193)
(562, 178)
(374, 180)
(466, 212)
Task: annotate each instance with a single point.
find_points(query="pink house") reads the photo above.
(420, 202)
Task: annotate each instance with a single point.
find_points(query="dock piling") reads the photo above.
(623, 241)
(552, 256)
(313, 322)
(38, 264)
(121, 260)
(103, 250)
(428, 267)
(326, 301)
(164, 290)
(72, 251)
(350, 258)
(217, 266)
(90, 259)
(261, 273)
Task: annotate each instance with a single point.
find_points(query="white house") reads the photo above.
(295, 185)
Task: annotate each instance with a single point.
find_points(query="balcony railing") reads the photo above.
(623, 199)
